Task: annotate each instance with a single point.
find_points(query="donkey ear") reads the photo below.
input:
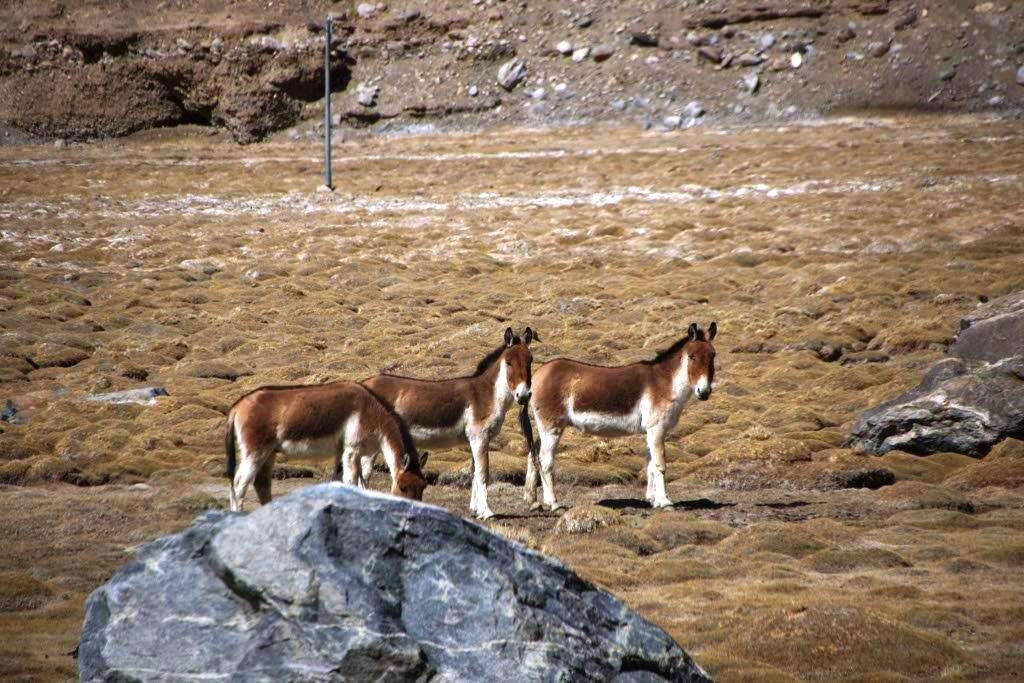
(509, 336)
(712, 330)
(423, 459)
(529, 335)
(691, 332)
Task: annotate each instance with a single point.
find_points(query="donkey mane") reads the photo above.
(488, 360)
(671, 350)
(407, 441)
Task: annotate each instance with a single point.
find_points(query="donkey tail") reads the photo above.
(229, 446)
(527, 429)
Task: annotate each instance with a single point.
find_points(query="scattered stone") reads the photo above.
(366, 9)
(584, 21)
(751, 82)
(1020, 75)
(605, 51)
(510, 73)
(332, 578)
(749, 59)
(710, 53)
(858, 357)
(618, 105)
(960, 406)
(564, 47)
(845, 35)
(796, 60)
(580, 53)
(145, 396)
(906, 20)
(366, 94)
(672, 122)
(693, 110)
(947, 74)
(538, 94)
(409, 16)
(472, 91)
(26, 52)
(766, 41)
(878, 49)
(643, 39)
(206, 266)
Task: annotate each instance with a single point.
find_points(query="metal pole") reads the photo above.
(327, 104)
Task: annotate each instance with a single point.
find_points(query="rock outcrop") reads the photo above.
(966, 403)
(334, 583)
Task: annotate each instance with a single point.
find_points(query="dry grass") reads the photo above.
(210, 270)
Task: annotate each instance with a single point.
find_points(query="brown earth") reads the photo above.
(175, 260)
(75, 69)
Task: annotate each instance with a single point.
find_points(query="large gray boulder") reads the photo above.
(332, 583)
(992, 331)
(959, 406)
(966, 403)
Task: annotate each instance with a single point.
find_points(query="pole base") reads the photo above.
(324, 188)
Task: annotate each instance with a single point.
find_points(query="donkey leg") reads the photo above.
(349, 468)
(548, 443)
(244, 475)
(481, 478)
(656, 469)
(365, 470)
(264, 475)
(532, 467)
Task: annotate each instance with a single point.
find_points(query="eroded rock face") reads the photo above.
(959, 406)
(333, 583)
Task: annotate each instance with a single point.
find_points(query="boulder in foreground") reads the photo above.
(333, 583)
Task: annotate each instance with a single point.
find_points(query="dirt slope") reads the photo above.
(78, 69)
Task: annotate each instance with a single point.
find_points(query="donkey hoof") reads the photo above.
(558, 507)
(662, 504)
(485, 515)
(535, 505)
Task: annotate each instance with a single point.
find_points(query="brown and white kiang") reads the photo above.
(646, 397)
(471, 409)
(339, 420)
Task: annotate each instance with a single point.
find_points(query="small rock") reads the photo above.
(584, 21)
(580, 53)
(366, 95)
(564, 47)
(751, 82)
(995, 101)
(845, 35)
(60, 143)
(829, 353)
(749, 59)
(766, 41)
(145, 396)
(693, 110)
(472, 91)
(711, 54)
(796, 60)
(140, 487)
(618, 105)
(603, 52)
(878, 49)
(510, 73)
(1020, 75)
(643, 39)
(947, 74)
(538, 94)
(206, 266)
(27, 52)
(366, 9)
(672, 122)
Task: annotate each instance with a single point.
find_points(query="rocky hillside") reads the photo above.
(77, 70)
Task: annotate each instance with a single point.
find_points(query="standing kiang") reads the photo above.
(338, 420)
(646, 397)
(464, 410)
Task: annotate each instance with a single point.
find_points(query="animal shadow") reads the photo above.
(638, 504)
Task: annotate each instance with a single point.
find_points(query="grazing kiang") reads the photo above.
(450, 412)
(339, 420)
(646, 397)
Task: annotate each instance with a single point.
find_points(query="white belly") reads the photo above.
(606, 424)
(426, 437)
(323, 447)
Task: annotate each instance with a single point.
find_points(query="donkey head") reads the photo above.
(519, 361)
(410, 482)
(700, 359)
